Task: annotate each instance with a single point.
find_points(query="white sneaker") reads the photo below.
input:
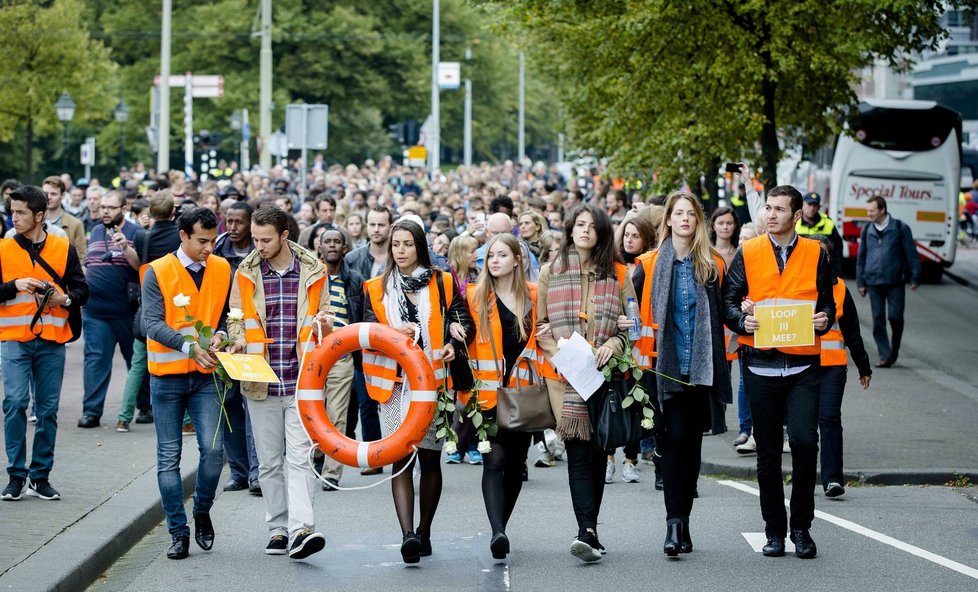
(748, 447)
(629, 474)
(545, 460)
(786, 447)
(32, 419)
(609, 472)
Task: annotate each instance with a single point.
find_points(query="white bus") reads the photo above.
(908, 152)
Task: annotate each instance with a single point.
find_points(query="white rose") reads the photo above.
(235, 314)
(647, 424)
(450, 447)
(180, 300)
(485, 447)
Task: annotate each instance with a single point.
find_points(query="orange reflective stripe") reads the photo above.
(205, 306)
(796, 283)
(17, 313)
(833, 346)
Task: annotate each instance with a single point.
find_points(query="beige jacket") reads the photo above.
(311, 270)
(548, 344)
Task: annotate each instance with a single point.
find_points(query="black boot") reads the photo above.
(674, 536)
(686, 546)
(657, 463)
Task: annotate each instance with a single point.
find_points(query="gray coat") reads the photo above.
(887, 258)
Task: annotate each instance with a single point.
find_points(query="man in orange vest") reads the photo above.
(180, 365)
(281, 291)
(782, 268)
(42, 277)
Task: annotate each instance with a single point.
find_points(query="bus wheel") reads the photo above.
(931, 273)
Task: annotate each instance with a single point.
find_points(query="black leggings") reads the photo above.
(502, 476)
(681, 445)
(402, 487)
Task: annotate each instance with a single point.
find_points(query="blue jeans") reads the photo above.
(236, 440)
(173, 396)
(42, 363)
(887, 301)
(101, 337)
(743, 404)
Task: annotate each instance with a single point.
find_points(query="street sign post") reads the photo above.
(88, 156)
(207, 86)
(306, 126)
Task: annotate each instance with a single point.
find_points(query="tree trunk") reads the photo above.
(29, 152)
(770, 151)
(710, 185)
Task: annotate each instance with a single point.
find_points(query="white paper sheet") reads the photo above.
(576, 363)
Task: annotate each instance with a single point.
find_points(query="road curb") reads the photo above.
(940, 476)
(78, 555)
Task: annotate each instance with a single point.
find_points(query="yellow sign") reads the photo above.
(784, 325)
(417, 153)
(247, 367)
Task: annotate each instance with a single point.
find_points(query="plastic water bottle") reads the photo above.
(631, 311)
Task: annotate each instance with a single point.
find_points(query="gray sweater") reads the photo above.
(154, 315)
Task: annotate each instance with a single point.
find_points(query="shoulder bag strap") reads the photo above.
(38, 260)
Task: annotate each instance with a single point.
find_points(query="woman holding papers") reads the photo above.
(681, 302)
(408, 297)
(583, 291)
(504, 307)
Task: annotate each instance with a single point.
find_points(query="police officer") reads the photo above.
(814, 223)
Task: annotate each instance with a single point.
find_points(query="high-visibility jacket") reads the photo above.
(379, 371)
(795, 285)
(254, 320)
(730, 338)
(621, 271)
(738, 200)
(16, 314)
(206, 306)
(481, 351)
(644, 351)
(833, 346)
(823, 227)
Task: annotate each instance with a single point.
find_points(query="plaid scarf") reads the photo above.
(567, 315)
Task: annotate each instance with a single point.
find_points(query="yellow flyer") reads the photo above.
(784, 325)
(247, 367)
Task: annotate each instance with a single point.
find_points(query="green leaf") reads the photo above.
(647, 412)
(492, 429)
(441, 433)
(188, 338)
(477, 420)
(199, 325)
(637, 373)
(627, 401)
(206, 331)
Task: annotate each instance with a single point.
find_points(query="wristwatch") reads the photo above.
(67, 302)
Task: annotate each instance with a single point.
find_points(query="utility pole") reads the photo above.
(434, 142)
(467, 130)
(521, 141)
(265, 83)
(163, 133)
(244, 164)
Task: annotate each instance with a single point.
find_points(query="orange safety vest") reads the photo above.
(379, 371)
(730, 338)
(644, 351)
(796, 285)
(833, 346)
(482, 359)
(547, 369)
(205, 306)
(254, 331)
(16, 314)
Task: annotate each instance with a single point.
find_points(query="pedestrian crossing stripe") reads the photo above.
(757, 540)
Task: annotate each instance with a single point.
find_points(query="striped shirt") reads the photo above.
(281, 314)
(338, 305)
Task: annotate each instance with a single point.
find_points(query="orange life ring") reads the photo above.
(416, 369)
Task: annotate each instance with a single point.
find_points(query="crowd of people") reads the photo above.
(502, 262)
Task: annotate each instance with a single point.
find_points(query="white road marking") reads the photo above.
(757, 540)
(877, 536)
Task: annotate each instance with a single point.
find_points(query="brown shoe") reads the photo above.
(188, 429)
(122, 426)
(372, 471)
(886, 363)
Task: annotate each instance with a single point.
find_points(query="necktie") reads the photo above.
(777, 255)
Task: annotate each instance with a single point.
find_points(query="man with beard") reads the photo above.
(113, 282)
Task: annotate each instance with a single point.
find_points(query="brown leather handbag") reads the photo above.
(522, 408)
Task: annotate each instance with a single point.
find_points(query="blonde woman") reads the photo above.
(461, 258)
(681, 296)
(532, 226)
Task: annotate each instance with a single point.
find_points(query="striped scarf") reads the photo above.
(566, 312)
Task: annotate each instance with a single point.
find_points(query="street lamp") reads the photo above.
(121, 114)
(65, 106)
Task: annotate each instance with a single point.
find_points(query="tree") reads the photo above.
(48, 51)
(671, 87)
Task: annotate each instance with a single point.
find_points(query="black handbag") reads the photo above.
(614, 425)
(459, 368)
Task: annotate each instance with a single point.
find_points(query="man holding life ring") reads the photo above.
(280, 289)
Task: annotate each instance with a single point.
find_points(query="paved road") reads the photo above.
(915, 424)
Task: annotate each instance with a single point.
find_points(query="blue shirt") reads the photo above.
(683, 310)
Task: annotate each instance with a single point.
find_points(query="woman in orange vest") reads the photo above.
(725, 236)
(408, 298)
(682, 287)
(584, 290)
(503, 306)
(844, 333)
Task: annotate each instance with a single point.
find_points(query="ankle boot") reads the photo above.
(674, 536)
(686, 543)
